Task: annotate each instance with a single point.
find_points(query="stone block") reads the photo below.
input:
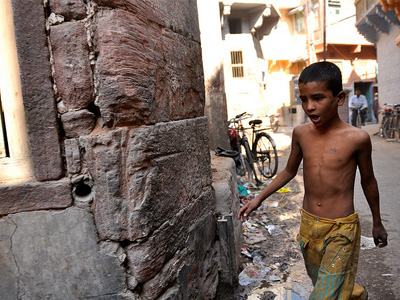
(54, 254)
(73, 73)
(125, 67)
(203, 279)
(78, 123)
(147, 259)
(37, 90)
(184, 76)
(155, 74)
(179, 15)
(142, 173)
(70, 9)
(8, 267)
(224, 184)
(34, 196)
(72, 156)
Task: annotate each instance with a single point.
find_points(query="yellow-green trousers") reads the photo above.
(330, 249)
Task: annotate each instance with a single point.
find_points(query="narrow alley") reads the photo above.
(272, 266)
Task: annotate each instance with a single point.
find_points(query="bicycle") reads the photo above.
(386, 112)
(273, 122)
(358, 120)
(391, 121)
(261, 160)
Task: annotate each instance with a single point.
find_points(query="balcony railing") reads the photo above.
(362, 7)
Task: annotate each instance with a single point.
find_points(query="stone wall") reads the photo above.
(122, 205)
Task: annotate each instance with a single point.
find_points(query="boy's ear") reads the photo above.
(341, 98)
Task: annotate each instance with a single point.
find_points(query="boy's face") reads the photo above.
(319, 103)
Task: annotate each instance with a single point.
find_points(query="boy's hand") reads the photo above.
(246, 210)
(380, 236)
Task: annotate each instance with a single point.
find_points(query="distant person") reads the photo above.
(375, 107)
(358, 101)
(331, 151)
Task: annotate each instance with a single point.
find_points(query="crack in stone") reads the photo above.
(14, 258)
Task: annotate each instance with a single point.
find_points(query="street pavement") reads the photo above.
(378, 267)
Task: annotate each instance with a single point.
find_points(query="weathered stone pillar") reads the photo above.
(211, 47)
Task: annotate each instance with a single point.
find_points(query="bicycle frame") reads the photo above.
(242, 140)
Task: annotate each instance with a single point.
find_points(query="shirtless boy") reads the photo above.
(331, 151)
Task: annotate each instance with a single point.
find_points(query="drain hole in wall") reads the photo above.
(82, 190)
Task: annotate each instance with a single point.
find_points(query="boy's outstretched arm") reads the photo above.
(371, 191)
(280, 180)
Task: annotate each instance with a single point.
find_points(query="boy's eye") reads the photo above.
(303, 99)
(318, 98)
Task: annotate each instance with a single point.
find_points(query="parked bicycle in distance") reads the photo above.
(273, 122)
(261, 159)
(390, 127)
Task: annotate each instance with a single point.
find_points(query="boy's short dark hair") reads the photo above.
(323, 71)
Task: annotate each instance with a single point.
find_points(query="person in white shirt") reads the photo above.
(358, 101)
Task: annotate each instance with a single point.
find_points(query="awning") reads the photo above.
(295, 10)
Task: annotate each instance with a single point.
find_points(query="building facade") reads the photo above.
(379, 22)
(311, 32)
(266, 44)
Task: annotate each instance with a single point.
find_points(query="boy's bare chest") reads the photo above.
(328, 151)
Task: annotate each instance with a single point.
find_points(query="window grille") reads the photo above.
(334, 3)
(237, 64)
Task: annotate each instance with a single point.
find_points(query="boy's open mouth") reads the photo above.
(314, 118)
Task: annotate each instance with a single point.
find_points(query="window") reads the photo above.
(334, 6)
(317, 31)
(15, 161)
(316, 15)
(334, 3)
(299, 22)
(237, 64)
(339, 64)
(235, 26)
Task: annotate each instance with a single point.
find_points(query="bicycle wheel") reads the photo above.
(275, 126)
(249, 163)
(265, 155)
(388, 129)
(358, 122)
(383, 124)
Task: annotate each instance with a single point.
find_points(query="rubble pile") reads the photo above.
(271, 257)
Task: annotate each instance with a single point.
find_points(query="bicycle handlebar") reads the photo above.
(240, 117)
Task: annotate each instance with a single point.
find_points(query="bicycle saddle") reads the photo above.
(255, 122)
(227, 153)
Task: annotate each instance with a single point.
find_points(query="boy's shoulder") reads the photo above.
(302, 128)
(349, 131)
